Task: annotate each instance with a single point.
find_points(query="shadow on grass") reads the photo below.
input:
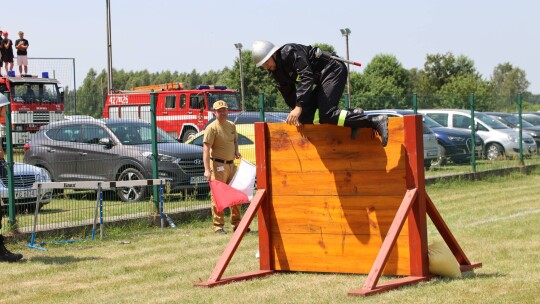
(61, 260)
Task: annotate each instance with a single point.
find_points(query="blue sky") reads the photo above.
(184, 35)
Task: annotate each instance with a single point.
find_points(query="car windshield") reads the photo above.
(138, 134)
(533, 119)
(430, 123)
(512, 119)
(230, 98)
(490, 121)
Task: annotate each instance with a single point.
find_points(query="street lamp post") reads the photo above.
(346, 32)
(239, 47)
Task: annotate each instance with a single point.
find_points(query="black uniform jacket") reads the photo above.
(297, 70)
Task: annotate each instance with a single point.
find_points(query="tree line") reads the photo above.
(445, 81)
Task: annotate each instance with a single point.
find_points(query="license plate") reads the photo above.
(197, 180)
(25, 193)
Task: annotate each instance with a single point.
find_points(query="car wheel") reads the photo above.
(132, 194)
(427, 164)
(188, 134)
(441, 160)
(494, 151)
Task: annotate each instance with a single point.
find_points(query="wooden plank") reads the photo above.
(334, 215)
(332, 138)
(339, 183)
(263, 182)
(359, 162)
(393, 284)
(331, 253)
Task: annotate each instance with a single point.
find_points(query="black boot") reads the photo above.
(6, 255)
(3, 168)
(380, 124)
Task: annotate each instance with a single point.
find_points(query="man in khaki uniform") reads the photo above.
(219, 151)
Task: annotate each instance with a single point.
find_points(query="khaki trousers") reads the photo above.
(224, 173)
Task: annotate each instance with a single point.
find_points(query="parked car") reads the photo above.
(246, 131)
(115, 149)
(532, 118)
(512, 120)
(454, 144)
(431, 148)
(24, 177)
(499, 140)
(253, 117)
(246, 141)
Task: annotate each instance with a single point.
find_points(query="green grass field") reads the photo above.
(494, 220)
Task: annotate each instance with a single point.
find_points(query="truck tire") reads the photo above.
(188, 133)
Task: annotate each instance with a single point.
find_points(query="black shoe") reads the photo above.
(3, 168)
(6, 255)
(380, 124)
(220, 231)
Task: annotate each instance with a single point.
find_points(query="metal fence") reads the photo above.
(81, 151)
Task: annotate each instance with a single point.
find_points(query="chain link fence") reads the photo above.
(94, 150)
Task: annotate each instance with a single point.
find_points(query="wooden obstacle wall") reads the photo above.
(332, 199)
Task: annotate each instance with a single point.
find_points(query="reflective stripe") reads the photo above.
(341, 119)
(316, 118)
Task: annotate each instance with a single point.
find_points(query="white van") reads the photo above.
(499, 140)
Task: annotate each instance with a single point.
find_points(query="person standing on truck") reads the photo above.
(220, 148)
(5, 255)
(312, 82)
(22, 45)
(7, 54)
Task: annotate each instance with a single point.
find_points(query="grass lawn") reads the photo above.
(494, 220)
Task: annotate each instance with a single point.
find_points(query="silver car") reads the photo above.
(114, 150)
(499, 139)
(24, 177)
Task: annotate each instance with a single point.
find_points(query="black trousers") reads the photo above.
(327, 95)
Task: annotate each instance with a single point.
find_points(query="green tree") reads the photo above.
(457, 91)
(507, 82)
(383, 84)
(440, 68)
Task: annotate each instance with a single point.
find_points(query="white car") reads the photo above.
(24, 177)
(499, 139)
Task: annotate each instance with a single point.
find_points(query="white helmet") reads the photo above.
(262, 50)
(3, 100)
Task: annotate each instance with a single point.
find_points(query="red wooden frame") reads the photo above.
(414, 207)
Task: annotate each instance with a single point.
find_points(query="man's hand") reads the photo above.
(293, 117)
(207, 174)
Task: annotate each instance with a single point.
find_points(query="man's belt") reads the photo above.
(222, 161)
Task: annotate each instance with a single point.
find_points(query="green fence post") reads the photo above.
(414, 104)
(473, 135)
(346, 99)
(154, 147)
(261, 106)
(521, 162)
(9, 151)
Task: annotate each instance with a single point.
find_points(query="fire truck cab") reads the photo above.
(34, 102)
(179, 112)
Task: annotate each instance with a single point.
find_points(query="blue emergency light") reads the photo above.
(45, 75)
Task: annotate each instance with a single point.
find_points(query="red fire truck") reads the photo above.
(34, 102)
(179, 112)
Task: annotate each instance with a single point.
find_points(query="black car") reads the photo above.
(512, 120)
(113, 150)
